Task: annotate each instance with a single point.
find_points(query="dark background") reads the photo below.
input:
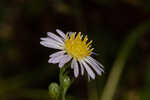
(24, 71)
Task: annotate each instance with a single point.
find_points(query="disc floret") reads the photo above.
(78, 47)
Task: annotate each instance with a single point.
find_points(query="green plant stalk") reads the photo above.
(63, 88)
(64, 94)
(62, 70)
(118, 65)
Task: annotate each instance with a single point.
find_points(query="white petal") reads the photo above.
(96, 61)
(64, 60)
(94, 66)
(55, 60)
(82, 68)
(61, 33)
(49, 40)
(74, 64)
(89, 78)
(55, 37)
(50, 45)
(59, 53)
(89, 70)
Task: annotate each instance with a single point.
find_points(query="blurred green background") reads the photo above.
(120, 30)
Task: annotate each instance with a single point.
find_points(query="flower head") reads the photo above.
(75, 48)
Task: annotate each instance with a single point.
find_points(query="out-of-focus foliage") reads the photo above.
(24, 71)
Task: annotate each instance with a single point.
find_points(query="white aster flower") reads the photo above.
(73, 47)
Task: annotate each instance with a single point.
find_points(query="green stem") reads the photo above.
(64, 95)
(62, 78)
(118, 66)
(62, 70)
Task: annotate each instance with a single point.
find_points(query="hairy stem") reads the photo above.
(64, 81)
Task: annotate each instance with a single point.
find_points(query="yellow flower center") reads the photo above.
(78, 47)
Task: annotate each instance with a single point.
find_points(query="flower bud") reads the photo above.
(66, 82)
(54, 91)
